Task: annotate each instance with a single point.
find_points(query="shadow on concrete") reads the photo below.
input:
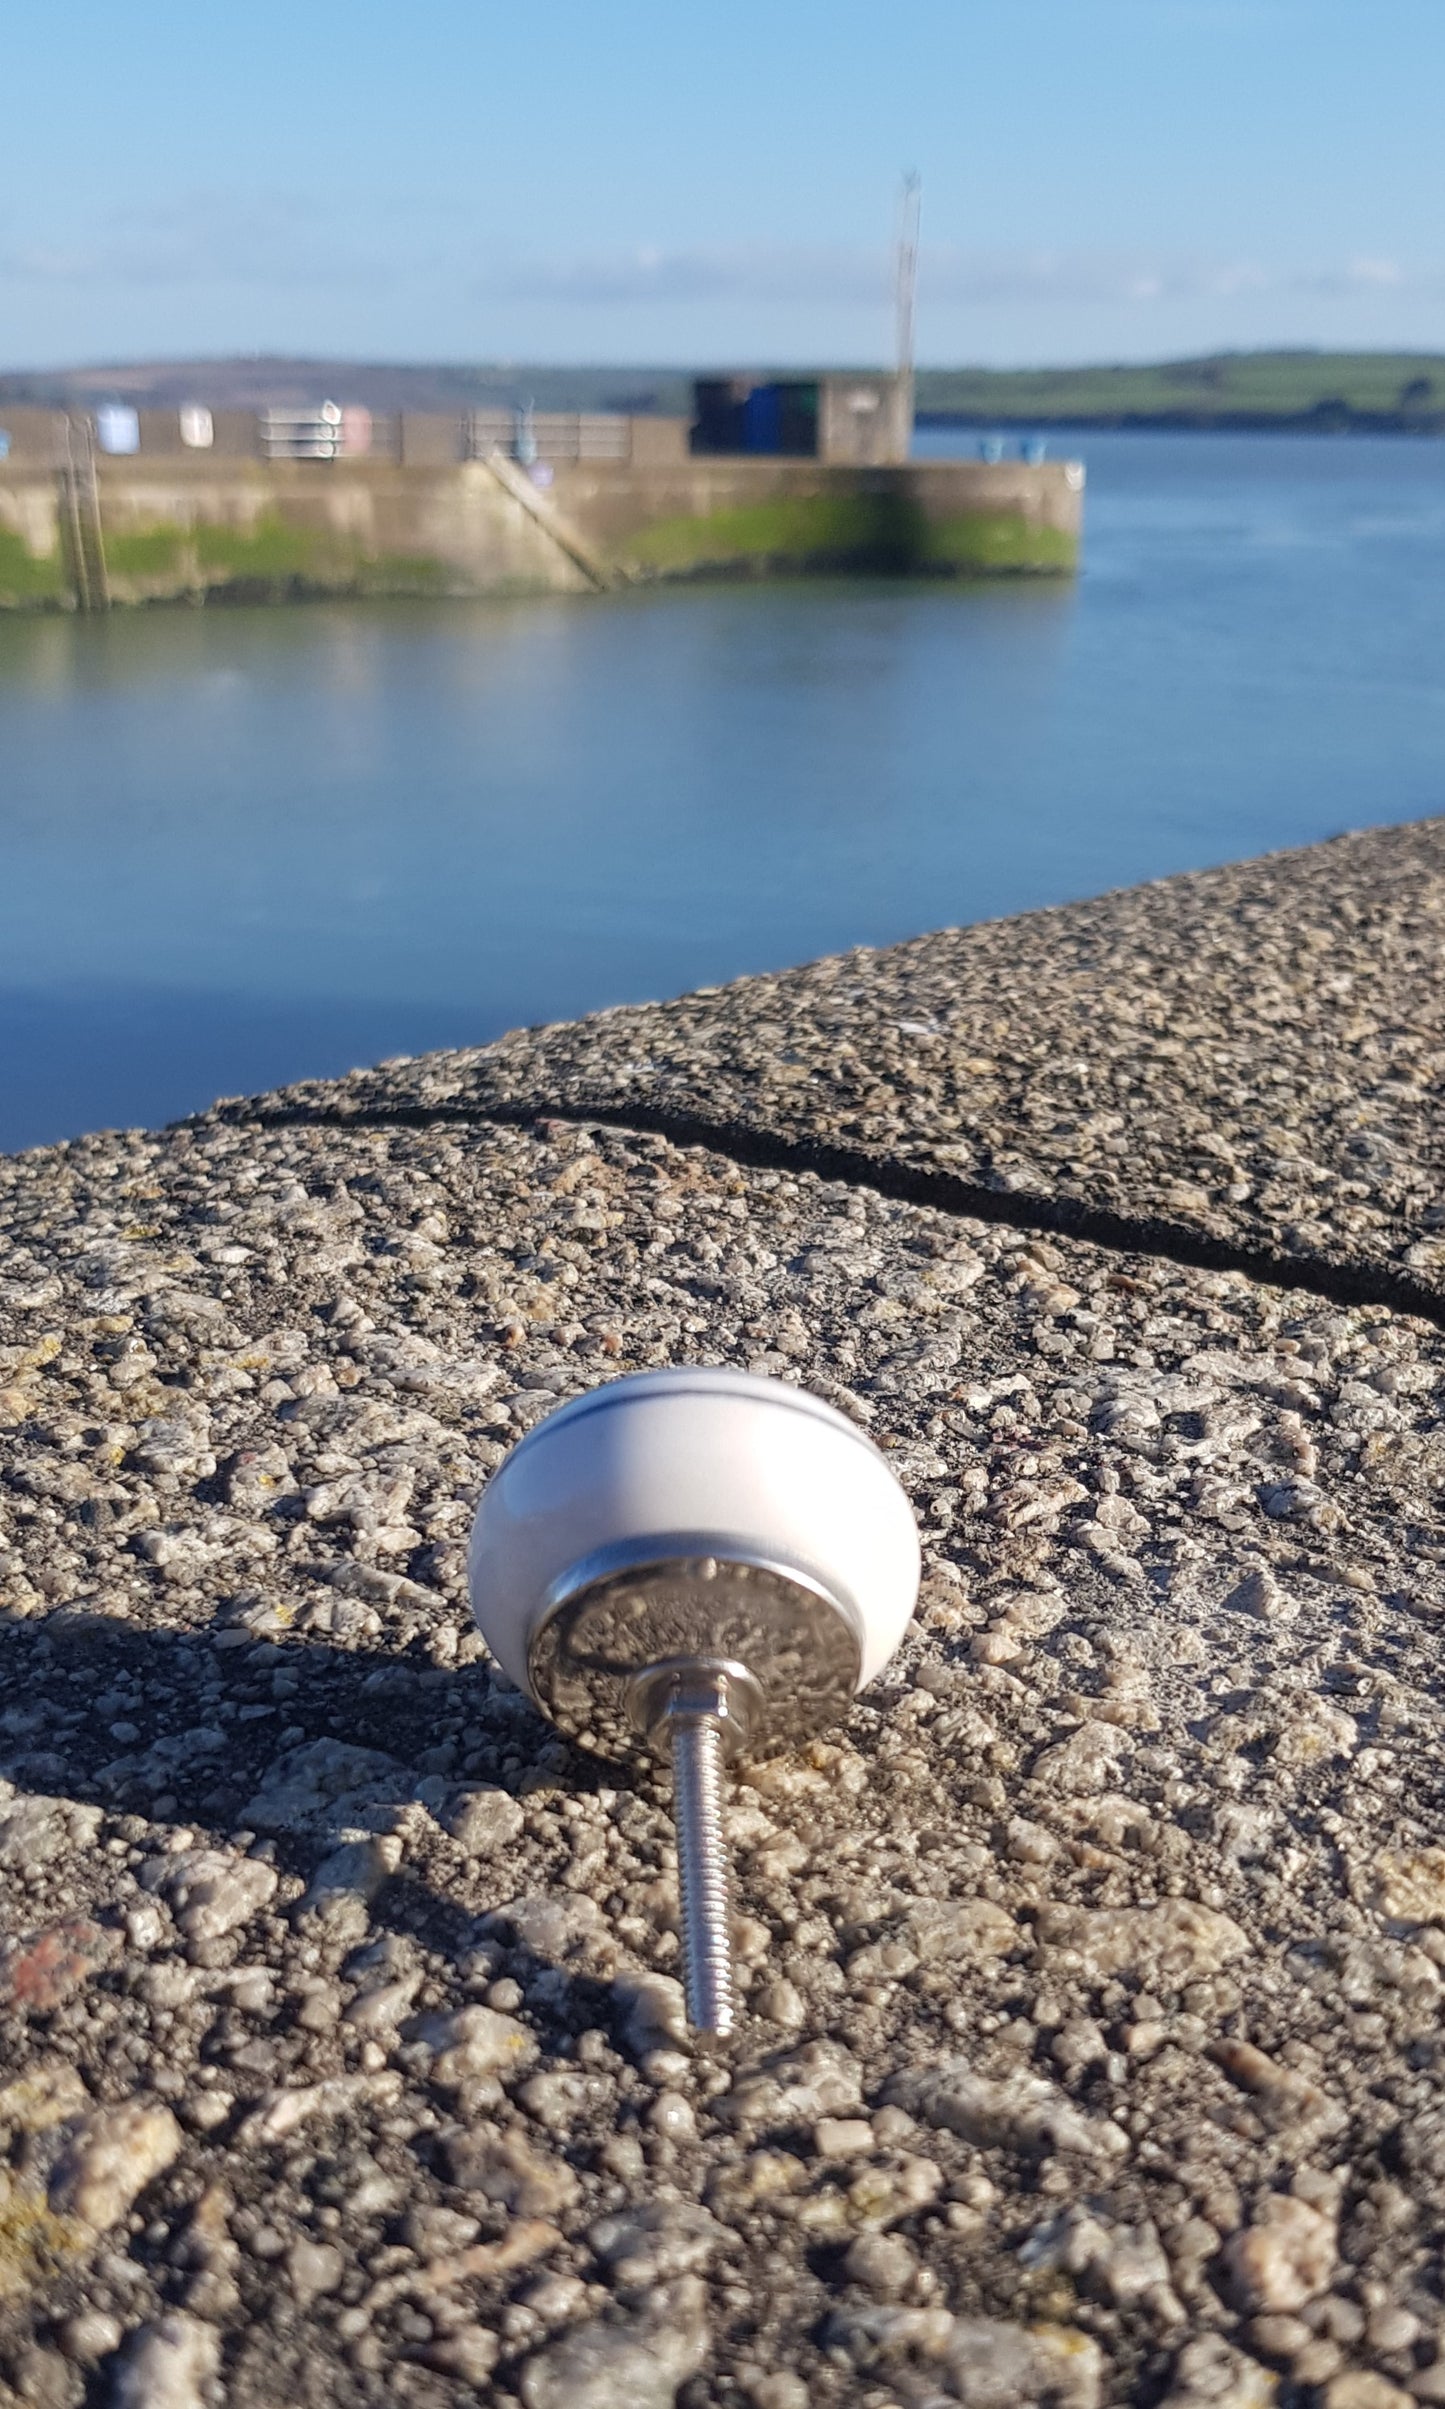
(207, 1727)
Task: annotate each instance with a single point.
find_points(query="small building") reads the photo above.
(863, 421)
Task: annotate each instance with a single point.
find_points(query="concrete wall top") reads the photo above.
(37, 437)
(1308, 962)
(1125, 1882)
(432, 438)
(233, 436)
(852, 435)
(658, 442)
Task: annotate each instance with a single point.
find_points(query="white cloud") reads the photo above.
(406, 277)
(783, 273)
(799, 276)
(278, 240)
(1365, 273)
(295, 241)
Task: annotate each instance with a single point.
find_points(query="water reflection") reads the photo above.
(239, 846)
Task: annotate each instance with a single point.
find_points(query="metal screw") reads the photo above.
(698, 1711)
(704, 1876)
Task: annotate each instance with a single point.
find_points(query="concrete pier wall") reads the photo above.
(180, 525)
(1089, 2050)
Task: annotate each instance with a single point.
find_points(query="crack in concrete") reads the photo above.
(907, 1183)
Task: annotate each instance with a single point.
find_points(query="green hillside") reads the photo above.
(1241, 389)
(1314, 389)
(255, 383)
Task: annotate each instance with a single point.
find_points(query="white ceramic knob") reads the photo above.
(693, 1562)
(706, 1466)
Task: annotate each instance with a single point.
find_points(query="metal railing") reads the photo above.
(529, 435)
(327, 430)
(324, 431)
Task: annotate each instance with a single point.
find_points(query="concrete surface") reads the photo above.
(1093, 1973)
(1247, 1060)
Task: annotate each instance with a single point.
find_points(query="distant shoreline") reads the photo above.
(1253, 392)
(1193, 422)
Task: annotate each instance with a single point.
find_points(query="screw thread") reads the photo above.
(704, 1875)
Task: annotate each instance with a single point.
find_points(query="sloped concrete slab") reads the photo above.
(1249, 1059)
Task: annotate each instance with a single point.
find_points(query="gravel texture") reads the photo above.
(1092, 1975)
(1249, 1056)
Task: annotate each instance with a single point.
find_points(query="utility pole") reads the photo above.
(905, 285)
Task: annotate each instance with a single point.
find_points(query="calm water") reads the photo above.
(236, 847)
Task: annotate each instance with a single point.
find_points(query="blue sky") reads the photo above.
(628, 181)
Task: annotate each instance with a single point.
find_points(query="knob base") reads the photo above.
(611, 1626)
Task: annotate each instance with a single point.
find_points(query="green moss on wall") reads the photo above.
(267, 548)
(885, 532)
(263, 560)
(802, 530)
(145, 552)
(990, 543)
(28, 577)
(269, 554)
(843, 529)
